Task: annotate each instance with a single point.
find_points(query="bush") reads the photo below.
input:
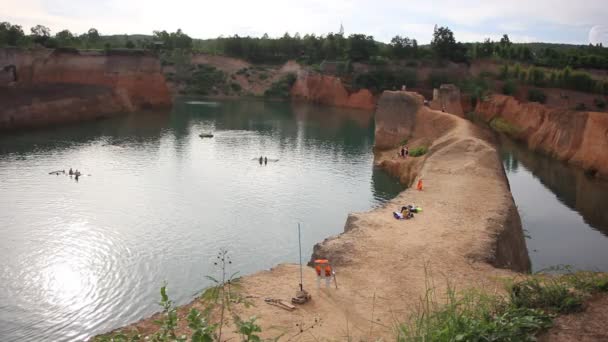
(437, 78)
(502, 126)
(204, 79)
(536, 95)
(380, 80)
(418, 151)
(282, 87)
(549, 295)
(580, 106)
(509, 87)
(599, 103)
(473, 317)
(504, 72)
(263, 76)
(536, 77)
(235, 87)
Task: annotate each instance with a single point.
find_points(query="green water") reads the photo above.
(156, 202)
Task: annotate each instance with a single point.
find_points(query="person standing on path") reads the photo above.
(265, 160)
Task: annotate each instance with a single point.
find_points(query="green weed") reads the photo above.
(418, 151)
(503, 126)
(472, 316)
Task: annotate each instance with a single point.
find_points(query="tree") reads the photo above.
(130, 45)
(41, 34)
(10, 34)
(64, 38)
(361, 47)
(93, 35)
(403, 47)
(486, 49)
(443, 43)
(181, 40)
(505, 42)
(174, 40)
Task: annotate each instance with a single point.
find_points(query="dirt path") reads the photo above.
(384, 266)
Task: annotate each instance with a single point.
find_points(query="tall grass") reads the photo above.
(528, 308)
(472, 316)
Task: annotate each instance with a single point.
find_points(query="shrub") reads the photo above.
(473, 317)
(536, 77)
(282, 87)
(550, 295)
(378, 60)
(599, 103)
(502, 126)
(263, 76)
(536, 95)
(418, 151)
(580, 106)
(379, 80)
(437, 78)
(235, 87)
(504, 72)
(204, 79)
(509, 87)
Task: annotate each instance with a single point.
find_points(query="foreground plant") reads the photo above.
(472, 317)
(217, 305)
(529, 308)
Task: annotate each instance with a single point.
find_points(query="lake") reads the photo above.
(156, 202)
(563, 211)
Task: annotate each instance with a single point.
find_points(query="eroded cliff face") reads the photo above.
(447, 99)
(51, 84)
(576, 137)
(329, 90)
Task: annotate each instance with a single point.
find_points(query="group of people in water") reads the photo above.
(263, 160)
(76, 174)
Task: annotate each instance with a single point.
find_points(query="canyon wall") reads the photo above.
(330, 91)
(577, 137)
(47, 85)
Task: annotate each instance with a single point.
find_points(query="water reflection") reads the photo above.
(83, 258)
(563, 210)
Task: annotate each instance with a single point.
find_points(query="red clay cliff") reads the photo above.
(329, 90)
(577, 137)
(55, 86)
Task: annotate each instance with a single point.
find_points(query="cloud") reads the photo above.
(550, 20)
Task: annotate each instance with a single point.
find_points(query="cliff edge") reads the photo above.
(577, 137)
(330, 91)
(47, 86)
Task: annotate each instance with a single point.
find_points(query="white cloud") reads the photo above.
(469, 19)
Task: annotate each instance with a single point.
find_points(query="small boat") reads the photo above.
(206, 135)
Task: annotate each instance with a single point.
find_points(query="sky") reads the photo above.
(555, 21)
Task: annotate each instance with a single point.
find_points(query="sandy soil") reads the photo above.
(385, 266)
